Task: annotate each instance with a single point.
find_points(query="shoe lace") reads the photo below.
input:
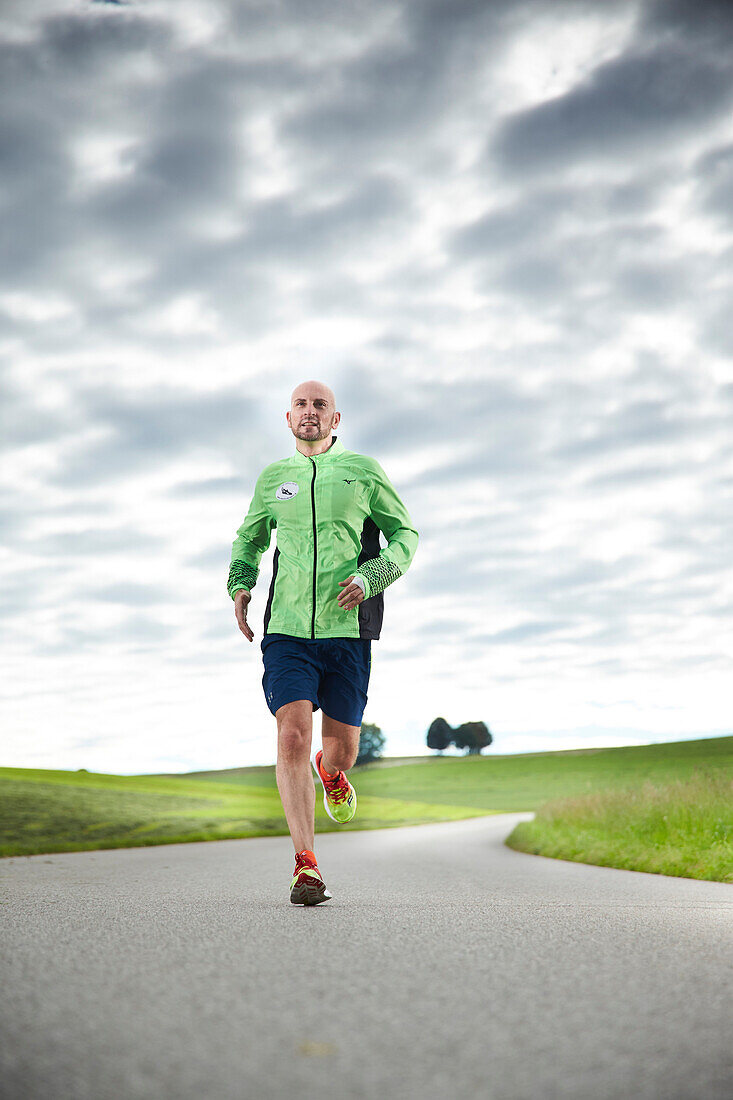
(338, 788)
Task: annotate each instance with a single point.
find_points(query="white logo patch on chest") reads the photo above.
(287, 490)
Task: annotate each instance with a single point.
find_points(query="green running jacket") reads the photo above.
(328, 510)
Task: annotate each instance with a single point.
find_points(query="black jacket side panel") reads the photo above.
(268, 609)
(371, 611)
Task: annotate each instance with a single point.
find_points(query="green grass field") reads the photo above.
(683, 827)
(57, 811)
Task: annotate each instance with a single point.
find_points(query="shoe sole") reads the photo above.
(328, 809)
(309, 892)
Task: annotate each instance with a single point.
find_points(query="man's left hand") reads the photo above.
(351, 595)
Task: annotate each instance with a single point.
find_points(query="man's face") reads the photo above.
(312, 414)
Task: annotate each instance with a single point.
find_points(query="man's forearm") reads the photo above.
(378, 574)
(241, 575)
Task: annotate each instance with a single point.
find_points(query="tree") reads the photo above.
(371, 743)
(439, 735)
(471, 736)
(474, 737)
(463, 738)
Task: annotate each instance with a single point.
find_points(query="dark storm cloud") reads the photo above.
(35, 168)
(696, 21)
(384, 100)
(44, 84)
(87, 46)
(625, 104)
(188, 156)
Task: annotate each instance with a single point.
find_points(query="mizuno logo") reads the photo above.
(349, 482)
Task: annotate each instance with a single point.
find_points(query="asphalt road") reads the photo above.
(445, 966)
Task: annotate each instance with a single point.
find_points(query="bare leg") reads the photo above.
(340, 745)
(294, 774)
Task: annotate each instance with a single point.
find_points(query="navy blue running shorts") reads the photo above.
(332, 672)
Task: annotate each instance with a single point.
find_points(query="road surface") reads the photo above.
(446, 966)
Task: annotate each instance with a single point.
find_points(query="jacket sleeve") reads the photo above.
(393, 520)
(253, 538)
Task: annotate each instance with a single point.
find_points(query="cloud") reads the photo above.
(226, 486)
(385, 100)
(704, 22)
(133, 595)
(520, 633)
(626, 106)
(142, 431)
(95, 541)
(137, 634)
(714, 172)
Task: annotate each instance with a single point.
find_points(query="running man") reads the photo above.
(324, 608)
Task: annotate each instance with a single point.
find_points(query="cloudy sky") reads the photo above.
(502, 231)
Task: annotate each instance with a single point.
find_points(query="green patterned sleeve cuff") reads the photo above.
(241, 575)
(378, 574)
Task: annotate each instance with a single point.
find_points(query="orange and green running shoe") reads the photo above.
(339, 797)
(307, 887)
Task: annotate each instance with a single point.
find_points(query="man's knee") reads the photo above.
(342, 756)
(294, 740)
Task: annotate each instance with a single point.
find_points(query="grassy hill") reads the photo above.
(58, 811)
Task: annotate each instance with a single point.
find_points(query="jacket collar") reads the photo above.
(335, 449)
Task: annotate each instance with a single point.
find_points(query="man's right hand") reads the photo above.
(241, 600)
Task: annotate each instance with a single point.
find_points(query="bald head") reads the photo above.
(313, 416)
(313, 390)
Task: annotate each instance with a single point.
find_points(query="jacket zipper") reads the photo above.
(315, 547)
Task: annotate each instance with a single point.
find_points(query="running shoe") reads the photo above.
(339, 797)
(307, 887)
